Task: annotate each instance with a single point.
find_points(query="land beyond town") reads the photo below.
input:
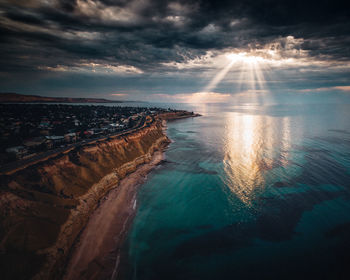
(46, 202)
(21, 98)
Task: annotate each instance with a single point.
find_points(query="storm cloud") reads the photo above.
(44, 38)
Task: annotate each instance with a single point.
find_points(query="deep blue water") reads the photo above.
(248, 192)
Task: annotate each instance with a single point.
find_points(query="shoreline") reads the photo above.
(95, 256)
(47, 207)
(100, 257)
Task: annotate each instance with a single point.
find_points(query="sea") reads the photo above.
(249, 190)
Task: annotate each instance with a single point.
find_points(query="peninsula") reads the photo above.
(46, 203)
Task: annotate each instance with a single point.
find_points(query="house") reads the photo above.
(115, 126)
(112, 127)
(97, 131)
(49, 143)
(125, 121)
(55, 140)
(88, 133)
(70, 137)
(76, 122)
(34, 143)
(44, 123)
(44, 132)
(19, 151)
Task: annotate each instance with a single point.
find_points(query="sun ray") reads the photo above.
(217, 79)
(250, 71)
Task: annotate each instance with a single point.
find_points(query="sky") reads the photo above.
(175, 51)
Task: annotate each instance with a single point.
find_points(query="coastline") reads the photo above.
(92, 256)
(97, 252)
(45, 207)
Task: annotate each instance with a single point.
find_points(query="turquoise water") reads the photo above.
(248, 192)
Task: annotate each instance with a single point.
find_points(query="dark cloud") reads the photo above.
(147, 34)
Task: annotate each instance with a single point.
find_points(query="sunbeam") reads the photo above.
(251, 77)
(249, 71)
(218, 78)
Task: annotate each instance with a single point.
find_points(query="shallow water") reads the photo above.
(248, 192)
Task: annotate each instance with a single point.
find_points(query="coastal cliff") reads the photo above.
(46, 205)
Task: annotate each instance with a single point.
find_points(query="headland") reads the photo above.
(46, 204)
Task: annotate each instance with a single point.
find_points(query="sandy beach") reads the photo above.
(96, 254)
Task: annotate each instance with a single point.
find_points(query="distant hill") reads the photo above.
(21, 98)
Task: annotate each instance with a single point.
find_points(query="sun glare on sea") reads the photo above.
(253, 144)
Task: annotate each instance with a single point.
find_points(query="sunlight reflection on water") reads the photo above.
(245, 181)
(251, 144)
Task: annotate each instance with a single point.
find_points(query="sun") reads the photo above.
(244, 57)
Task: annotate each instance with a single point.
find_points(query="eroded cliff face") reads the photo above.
(45, 206)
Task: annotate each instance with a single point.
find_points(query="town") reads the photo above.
(27, 130)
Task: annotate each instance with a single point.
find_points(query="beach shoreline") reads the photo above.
(96, 253)
(48, 205)
(112, 219)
